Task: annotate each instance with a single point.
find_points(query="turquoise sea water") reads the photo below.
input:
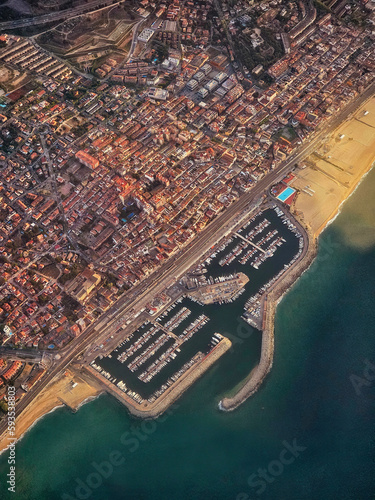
(319, 401)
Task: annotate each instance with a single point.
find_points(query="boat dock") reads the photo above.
(221, 290)
(165, 330)
(250, 242)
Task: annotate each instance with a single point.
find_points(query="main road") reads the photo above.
(138, 296)
(59, 16)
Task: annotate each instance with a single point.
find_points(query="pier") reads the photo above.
(222, 290)
(165, 330)
(152, 409)
(250, 242)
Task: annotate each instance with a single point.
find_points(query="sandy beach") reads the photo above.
(62, 393)
(335, 169)
(59, 393)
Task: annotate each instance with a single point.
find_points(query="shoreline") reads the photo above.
(45, 403)
(337, 212)
(3, 448)
(89, 399)
(256, 377)
(155, 410)
(258, 373)
(63, 396)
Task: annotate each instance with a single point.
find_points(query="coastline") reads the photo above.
(91, 389)
(57, 394)
(48, 400)
(256, 377)
(337, 212)
(87, 400)
(4, 446)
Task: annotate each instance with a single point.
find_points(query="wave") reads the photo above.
(338, 212)
(32, 425)
(61, 405)
(88, 400)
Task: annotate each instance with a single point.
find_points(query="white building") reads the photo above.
(192, 84)
(146, 35)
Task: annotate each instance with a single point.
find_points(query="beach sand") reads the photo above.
(89, 385)
(335, 169)
(59, 392)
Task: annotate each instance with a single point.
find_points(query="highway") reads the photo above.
(28, 355)
(58, 16)
(137, 297)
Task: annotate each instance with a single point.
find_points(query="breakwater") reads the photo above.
(200, 364)
(257, 375)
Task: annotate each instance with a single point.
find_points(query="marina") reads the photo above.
(314, 421)
(264, 248)
(151, 359)
(220, 290)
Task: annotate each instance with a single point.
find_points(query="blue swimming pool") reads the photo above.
(284, 195)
